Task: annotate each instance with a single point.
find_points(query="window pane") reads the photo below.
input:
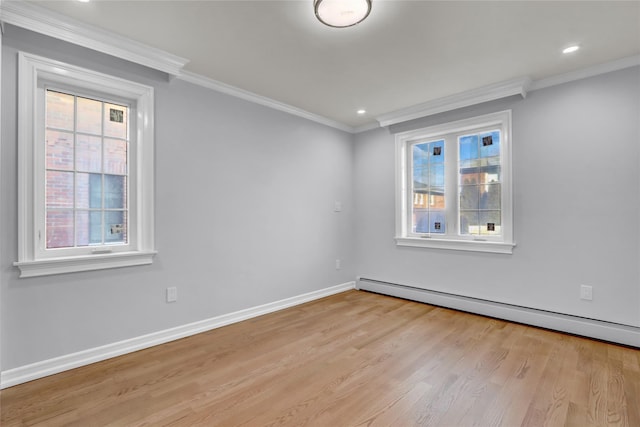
(490, 196)
(59, 189)
(428, 186)
(89, 153)
(115, 156)
(469, 147)
(480, 175)
(436, 198)
(436, 175)
(88, 228)
(490, 174)
(59, 228)
(95, 228)
(420, 185)
(420, 154)
(95, 191)
(88, 190)
(469, 222)
(490, 223)
(114, 192)
(82, 190)
(469, 176)
(420, 167)
(59, 149)
(59, 110)
(89, 116)
(115, 227)
(420, 220)
(115, 120)
(469, 197)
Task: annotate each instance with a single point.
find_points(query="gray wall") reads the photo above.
(244, 216)
(577, 187)
(244, 212)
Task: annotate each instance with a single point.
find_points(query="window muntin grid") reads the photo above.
(86, 171)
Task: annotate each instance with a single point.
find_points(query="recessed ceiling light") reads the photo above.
(571, 49)
(361, 112)
(83, 1)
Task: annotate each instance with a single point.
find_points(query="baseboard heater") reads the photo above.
(592, 328)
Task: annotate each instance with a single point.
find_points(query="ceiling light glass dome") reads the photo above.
(341, 13)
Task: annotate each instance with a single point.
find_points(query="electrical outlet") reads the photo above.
(172, 294)
(586, 292)
(338, 264)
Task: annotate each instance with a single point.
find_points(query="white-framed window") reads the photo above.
(85, 169)
(454, 185)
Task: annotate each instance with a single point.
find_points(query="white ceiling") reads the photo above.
(404, 53)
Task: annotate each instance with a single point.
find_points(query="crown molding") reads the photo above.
(491, 92)
(607, 67)
(365, 127)
(259, 99)
(52, 24)
(500, 90)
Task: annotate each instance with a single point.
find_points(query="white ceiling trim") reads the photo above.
(259, 99)
(366, 127)
(488, 93)
(499, 90)
(607, 67)
(49, 23)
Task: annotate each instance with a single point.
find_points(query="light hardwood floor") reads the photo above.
(353, 359)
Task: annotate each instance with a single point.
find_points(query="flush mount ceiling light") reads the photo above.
(341, 13)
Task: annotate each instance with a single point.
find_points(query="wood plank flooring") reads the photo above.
(353, 359)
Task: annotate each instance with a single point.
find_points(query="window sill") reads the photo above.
(457, 245)
(46, 267)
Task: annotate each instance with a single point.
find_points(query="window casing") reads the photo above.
(85, 169)
(453, 185)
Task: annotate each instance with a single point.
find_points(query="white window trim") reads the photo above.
(33, 69)
(503, 245)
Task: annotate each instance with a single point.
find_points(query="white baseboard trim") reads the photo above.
(606, 331)
(48, 367)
